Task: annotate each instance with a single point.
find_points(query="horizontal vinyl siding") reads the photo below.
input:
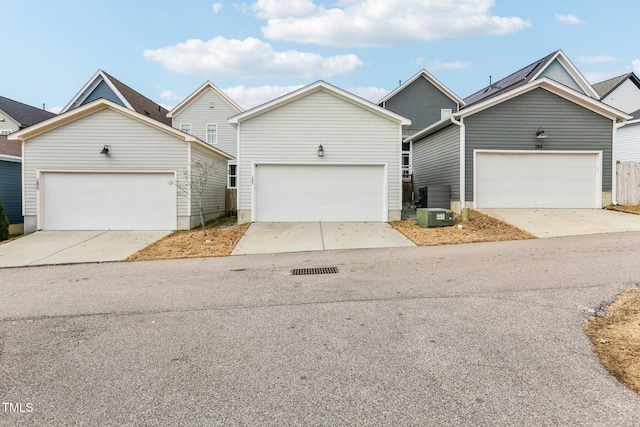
(436, 160)
(198, 114)
(293, 132)
(555, 71)
(421, 102)
(103, 91)
(628, 143)
(11, 190)
(512, 125)
(213, 200)
(77, 145)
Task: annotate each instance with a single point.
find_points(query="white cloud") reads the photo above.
(55, 110)
(169, 107)
(595, 59)
(381, 22)
(636, 66)
(247, 58)
(217, 7)
(249, 97)
(168, 95)
(600, 76)
(569, 19)
(455, 65)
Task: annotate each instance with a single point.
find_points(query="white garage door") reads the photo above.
(537, 180)
(319, 193)
(108, 201)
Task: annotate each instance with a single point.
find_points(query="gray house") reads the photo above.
(424, 100)
(538, 138)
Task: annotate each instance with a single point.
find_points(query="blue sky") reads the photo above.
(258, 50)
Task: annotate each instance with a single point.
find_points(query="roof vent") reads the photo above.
(147, 113)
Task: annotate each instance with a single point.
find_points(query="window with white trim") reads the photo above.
(444, 113)
(186, 128)
(233, 175)
(212, 134)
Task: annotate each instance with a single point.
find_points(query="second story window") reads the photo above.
(185, 127)
(212, 134)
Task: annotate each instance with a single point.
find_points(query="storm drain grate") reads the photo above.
(315, 270)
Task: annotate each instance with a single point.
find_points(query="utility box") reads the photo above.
(430, 217)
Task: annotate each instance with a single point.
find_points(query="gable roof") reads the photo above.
(604, 88)
(23, 114)
(197, 93)
(10, 148)
(529, 73)
(129, 97)
(317, 87)
(424, 74)
(543, 83)
(102, 104)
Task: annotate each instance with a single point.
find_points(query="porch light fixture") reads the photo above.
(540, 134)
(106, 150)
(320, 151)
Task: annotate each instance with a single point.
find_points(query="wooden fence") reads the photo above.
(231, 201)
(628, 183)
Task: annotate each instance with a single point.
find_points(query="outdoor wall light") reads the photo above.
(106, 150)
(320, 151)
(540, 134)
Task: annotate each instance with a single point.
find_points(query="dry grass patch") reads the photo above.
(616, 337)
(626, 209)
(479, 228)
(223, 236)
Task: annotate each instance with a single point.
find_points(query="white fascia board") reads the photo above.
(314, 87)
(431, 79)
(197, 93)
(9, 158)
(431, 129)
(98, 105)
(573, 72)
(555, 88)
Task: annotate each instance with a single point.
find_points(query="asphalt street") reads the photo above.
(477, 334)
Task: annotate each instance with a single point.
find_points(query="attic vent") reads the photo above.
(147, 113)
(315, 270)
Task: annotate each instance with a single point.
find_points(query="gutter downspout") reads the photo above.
(614, 166)
(462, 160)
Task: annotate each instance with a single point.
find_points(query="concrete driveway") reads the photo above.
(70, 247)
(567, 222)
(280, 237)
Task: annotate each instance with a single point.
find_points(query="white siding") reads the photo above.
(626, 97)
(292, 133)
(198, 114)
(135, 146)
(628, 143)
(8, 123)
(213, 200)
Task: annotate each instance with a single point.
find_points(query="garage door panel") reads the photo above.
(108, 201)
(319, 193)
(536, 180)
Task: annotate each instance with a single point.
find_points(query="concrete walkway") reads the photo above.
(567, 222)
(70, 247)
(281, 237)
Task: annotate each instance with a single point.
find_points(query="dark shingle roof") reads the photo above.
(11, 148)
(510, 82)
(635, 114)
(24, 114)
(606, 87)
(141, 103)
